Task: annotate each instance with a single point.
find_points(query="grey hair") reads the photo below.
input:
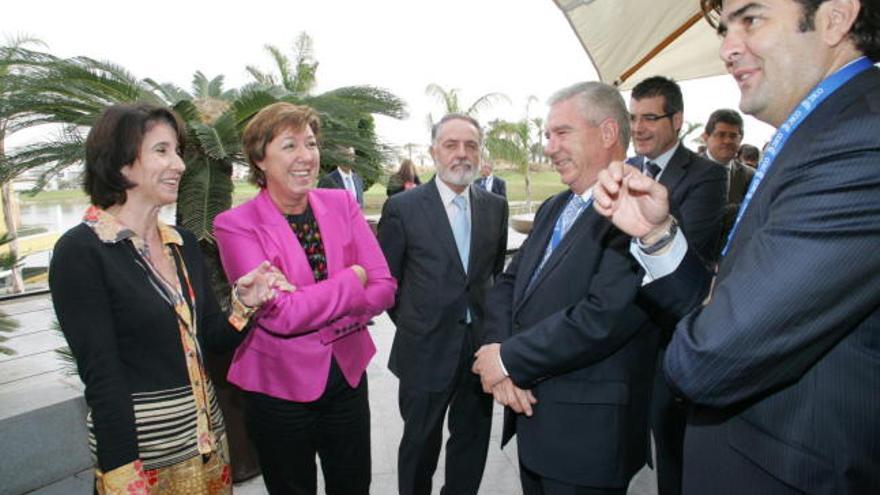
(435, 129)
(597, 101)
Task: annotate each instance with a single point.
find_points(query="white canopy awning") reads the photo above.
(630, 40)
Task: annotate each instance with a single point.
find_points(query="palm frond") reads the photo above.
(486, 101)
(205, 192)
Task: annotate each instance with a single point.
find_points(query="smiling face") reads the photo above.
(456, 153)
(157, 170)
(653, 131)
(574, 146)
(773, 62)
(291, 165)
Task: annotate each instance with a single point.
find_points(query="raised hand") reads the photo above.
(634, 203)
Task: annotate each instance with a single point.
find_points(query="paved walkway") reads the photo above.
(36, 362)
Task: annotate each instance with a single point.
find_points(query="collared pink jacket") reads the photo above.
(287, 352)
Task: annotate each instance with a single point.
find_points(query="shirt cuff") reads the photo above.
(503, 369)
(659, 265)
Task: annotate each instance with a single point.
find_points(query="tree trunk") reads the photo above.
(8, 198)
(528, 179)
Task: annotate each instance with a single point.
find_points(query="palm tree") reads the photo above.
(511, 142)
(451, 102)
(14, 58)
(346, 113)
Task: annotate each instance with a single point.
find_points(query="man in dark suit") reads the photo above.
(697, 188)
(489, 182)
(444, 242)
(723, 135)
(783, 360)
(344, 177)
(564, 323)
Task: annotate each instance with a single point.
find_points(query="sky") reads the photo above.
(520, 48)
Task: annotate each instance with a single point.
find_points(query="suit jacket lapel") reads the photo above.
(538, 240)
(676, 168)
(330, 231)
(479, 223)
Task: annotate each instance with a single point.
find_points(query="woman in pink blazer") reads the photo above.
(303, 364)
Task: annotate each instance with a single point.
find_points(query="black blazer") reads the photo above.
(698, 193)
(740, 178)
(433, 291)
(577, 339)
(333, 180)
(784, 361)
(499, 185)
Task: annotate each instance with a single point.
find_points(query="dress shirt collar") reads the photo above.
(663, 160)
(447, 194)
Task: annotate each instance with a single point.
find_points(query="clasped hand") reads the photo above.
(488, 365)
(259, 286)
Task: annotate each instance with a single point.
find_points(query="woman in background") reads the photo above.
(404, 179)
(303, 366)
(136, 308)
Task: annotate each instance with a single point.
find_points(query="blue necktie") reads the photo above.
(569, 215)
(461, 229)
(350, 185)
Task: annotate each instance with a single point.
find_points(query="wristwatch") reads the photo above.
(663, 241)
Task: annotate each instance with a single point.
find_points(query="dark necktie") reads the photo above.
(652, 170)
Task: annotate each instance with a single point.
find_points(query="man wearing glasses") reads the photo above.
(698, 191)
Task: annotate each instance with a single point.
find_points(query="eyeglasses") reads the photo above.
(649, 117)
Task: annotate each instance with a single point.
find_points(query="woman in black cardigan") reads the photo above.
(134, 303)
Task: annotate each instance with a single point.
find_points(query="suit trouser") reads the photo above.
(668, 418)
(289, 434)
(535, 484)
(470, 422)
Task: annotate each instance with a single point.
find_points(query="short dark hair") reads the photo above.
(660, 86)
(747, 151)
(725, 116)
(865, 32)
(435, 129)
(115, 141)
(266, 124)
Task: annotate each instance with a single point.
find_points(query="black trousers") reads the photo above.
(534, 484)
(335, 427)
(668, 419)
(470, 422)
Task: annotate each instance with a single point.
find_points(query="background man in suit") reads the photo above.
(749, 155)
(782, 361)
(723, 135)
(490, 182)
(444, 242)
(697, 188)
(344, 177)
(568, 327)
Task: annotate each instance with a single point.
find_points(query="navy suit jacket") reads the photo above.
(578, 340)
(784, 362)
(433, 290)
(333, 180)
(499, 185)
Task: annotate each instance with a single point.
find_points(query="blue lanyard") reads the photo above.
(824, 89)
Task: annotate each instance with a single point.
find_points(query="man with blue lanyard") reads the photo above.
(782, 360)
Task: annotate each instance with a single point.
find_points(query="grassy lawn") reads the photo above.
(544, 185)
